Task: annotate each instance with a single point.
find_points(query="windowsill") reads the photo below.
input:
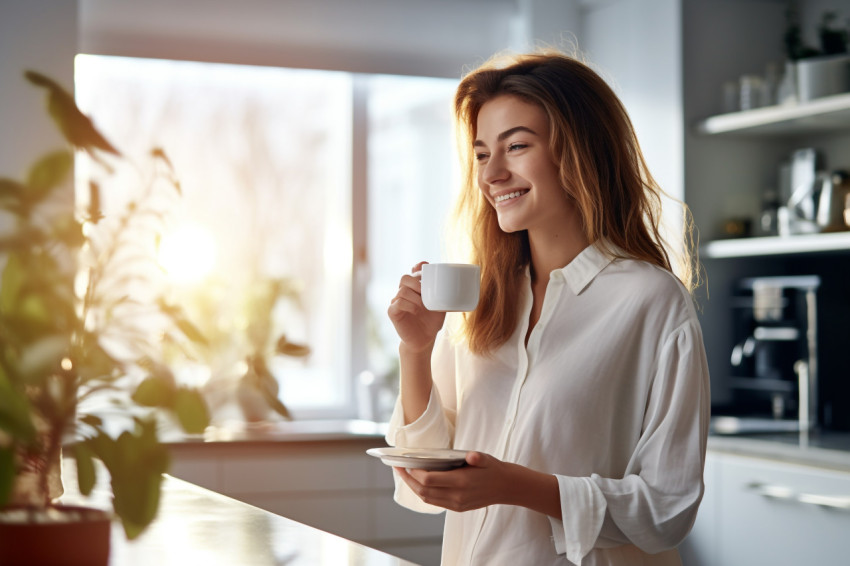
(283, 431)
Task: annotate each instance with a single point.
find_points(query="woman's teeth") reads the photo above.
(514, 194)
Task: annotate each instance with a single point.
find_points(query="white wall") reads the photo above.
(39, 35)
(433, 37)
(637, 46)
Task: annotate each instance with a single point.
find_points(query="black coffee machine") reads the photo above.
(774, 361)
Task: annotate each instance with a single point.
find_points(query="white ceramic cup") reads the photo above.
(450, 287)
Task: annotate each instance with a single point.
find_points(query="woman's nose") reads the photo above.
(494, 171)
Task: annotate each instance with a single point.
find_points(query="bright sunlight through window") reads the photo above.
(259, 242)
(187, 253)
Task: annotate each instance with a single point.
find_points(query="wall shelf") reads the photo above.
(777, 245)
(830, 113)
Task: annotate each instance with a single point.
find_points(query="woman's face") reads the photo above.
(515, 169)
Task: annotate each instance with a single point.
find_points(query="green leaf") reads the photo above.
(191, 331)
(11, 193)
(69, 231)
(42, 358)
(137, 464)
(86, 474)
(191, 410)
(7, 473)
(15, 413)
(276, 405)
(185, 326)
(74, 125)
(13, 280)
(48, 173)
(288, 348)
(93, 362)
(33, 310)
(92, 420)
(103, 447)
(155, 391)
(94, 211)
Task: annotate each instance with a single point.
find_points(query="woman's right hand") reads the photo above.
(416, 326)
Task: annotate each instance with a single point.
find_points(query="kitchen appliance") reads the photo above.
(799, 215)
(815, 200)
(834, 192)
(774, 360)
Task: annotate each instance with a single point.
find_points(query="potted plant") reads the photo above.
(82, 321)
(820, 71)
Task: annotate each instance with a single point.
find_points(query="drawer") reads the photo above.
(776, 513)
(275, 474)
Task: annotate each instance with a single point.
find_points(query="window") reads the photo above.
(284, 172)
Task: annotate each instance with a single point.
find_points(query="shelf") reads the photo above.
(830, 113)
(747, 247)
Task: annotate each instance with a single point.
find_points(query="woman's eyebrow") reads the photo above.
(506, 134)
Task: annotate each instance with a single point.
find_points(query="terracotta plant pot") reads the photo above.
(60, 536)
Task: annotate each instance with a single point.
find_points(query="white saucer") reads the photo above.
(421, 458)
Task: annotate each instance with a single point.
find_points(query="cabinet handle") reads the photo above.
(832, 501)
(772, 491)
(785, 493)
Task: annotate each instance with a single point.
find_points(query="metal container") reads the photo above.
(822, 76)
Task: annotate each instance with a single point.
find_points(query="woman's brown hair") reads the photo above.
(601, 168)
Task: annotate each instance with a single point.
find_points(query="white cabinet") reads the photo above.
(759, 511)
(333, 486)
(700, 548)
(782, 514)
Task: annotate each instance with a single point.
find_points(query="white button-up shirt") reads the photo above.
(611, 395)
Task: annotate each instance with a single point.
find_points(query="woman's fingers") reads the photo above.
(416, 326)
(418, 267)
(442, 489)
(476, 485)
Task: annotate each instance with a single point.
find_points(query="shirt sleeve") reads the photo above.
(654, 505)
(434, 428)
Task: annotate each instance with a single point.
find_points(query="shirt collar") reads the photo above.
(584, 268)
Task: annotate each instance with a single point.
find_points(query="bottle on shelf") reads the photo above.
(768, 224)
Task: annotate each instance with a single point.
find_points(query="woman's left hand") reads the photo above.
(484, 481)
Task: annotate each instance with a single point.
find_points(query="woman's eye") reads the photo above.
(480, 156)
(517, 146)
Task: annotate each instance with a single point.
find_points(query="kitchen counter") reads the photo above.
(198, 526)
(315, 472)
(821, 449)
(830, 450)
(237, 431)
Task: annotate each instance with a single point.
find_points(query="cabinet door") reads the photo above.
(700, 547)
(776, 513)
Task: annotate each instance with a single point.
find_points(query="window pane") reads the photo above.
(413, 177)
(263, 156)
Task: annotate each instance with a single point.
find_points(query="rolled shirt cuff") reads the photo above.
(428, 431)
(582, 512)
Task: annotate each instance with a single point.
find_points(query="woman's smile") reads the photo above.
(509, 198)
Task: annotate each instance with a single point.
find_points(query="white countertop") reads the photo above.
(826, 449)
